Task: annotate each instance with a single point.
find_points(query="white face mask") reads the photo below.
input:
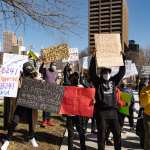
(106, 76)
(53, 68)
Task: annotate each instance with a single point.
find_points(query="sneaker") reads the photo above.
(50, 123)
(44, 123)
(34, 143)
(5, 145)
(109, 142)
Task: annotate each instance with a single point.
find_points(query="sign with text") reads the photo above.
(73, 55)
(9, 78)
(38, 94)
(131, 69)
(10, 73)
(86, 62)
(78, 101)
(108, 50)
(55, 53)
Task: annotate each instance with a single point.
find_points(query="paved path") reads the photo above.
(129, 139)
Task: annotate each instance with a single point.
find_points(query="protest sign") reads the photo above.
(131, 69)
(73, 55)
(38, 94)
(78, 101)
(86, 62)
(126, 97)
(108, 50)
(55, 53)
(10, 73)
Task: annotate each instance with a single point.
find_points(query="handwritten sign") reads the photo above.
(40, 95)
(86, 62)
(78, 101)
(108, 48)
(10, 73)
(55, 53)
(73, 55)
(9, 77)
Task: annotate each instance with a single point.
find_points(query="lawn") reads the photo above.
(48, 138)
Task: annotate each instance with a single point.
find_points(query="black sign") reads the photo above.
(38, 94)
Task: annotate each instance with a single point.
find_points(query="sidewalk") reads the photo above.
(129, 139)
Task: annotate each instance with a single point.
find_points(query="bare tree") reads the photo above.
(136, 56)
(48, 13)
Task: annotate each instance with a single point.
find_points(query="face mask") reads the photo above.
(53, 68)
(106, 76)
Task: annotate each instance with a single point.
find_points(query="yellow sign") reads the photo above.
(55, 53)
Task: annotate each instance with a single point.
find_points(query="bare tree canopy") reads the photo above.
(48, 13)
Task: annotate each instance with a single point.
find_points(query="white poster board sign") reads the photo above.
(108, 50)
(131, 69)
(10, 73)
(73, 55)
(86, 62)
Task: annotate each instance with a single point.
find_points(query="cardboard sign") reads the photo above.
(40, 95)
(78, 101)
(73, 55)
(108, 50)
(10, 73)
(126, 97)
(55, 53)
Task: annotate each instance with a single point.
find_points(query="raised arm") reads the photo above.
(92, 71)
(118, 77)
(42, 70)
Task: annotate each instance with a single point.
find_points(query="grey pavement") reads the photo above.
(130, 141)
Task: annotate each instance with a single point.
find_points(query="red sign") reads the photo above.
(78, 101)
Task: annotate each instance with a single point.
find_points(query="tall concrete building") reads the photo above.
(9, 40)
(108, 16)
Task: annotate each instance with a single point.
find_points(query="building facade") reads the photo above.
(11, 44)
(9, 40)
(108, 16)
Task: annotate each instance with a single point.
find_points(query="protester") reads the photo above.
(86, 82)
(49, 75)
(66, 73)
(75, 120)
(145, 103)
(126, 89)
(106, 104)
(140, 121)
(28, 72)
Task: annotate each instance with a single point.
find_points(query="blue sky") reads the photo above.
(139, 27)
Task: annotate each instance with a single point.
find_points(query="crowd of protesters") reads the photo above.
(107, 102)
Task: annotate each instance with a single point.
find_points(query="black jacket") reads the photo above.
(105, 90)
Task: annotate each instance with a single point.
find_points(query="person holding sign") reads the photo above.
(50, 75)
(28, 72)
(74, 120)
(106, 107)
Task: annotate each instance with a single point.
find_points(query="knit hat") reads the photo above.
(28, 68)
